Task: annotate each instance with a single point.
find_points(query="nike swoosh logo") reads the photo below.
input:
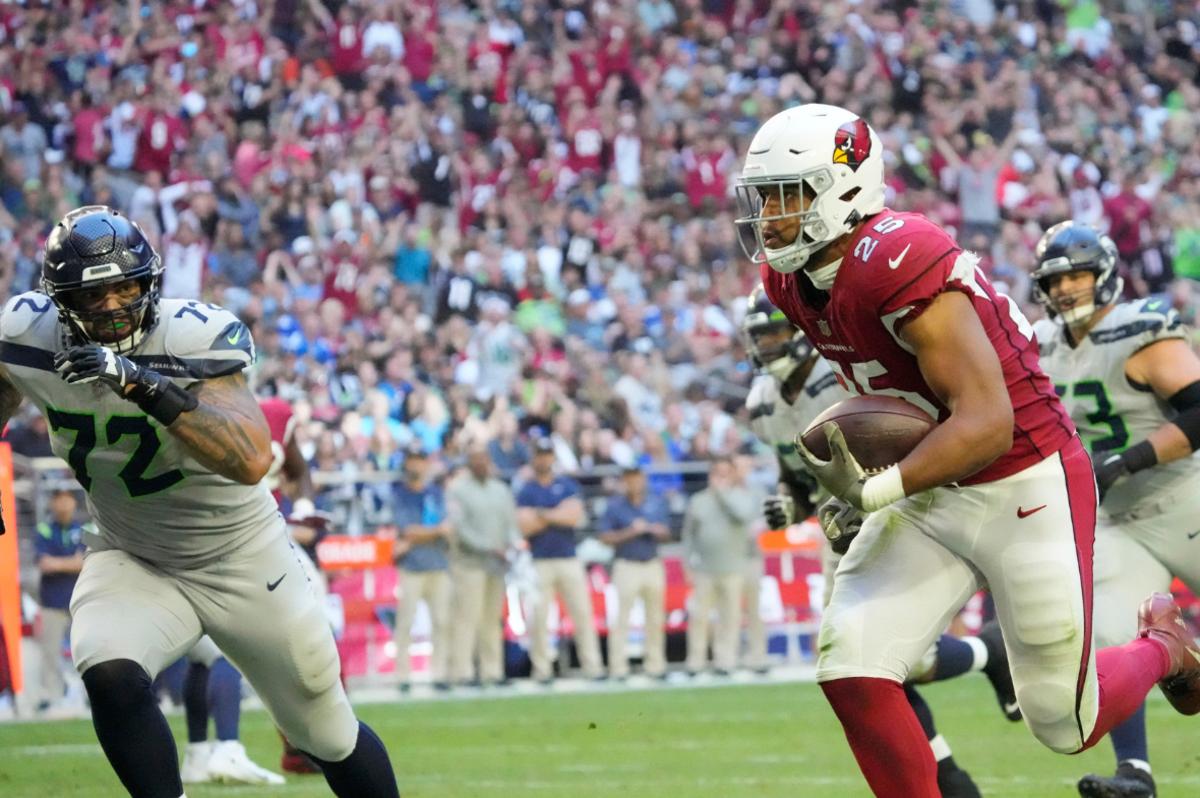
(275, 584)
(1192, 535)
(1011, 708)
(894, 262)
(1023, 513)
(233, 339)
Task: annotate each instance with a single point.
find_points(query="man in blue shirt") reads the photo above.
(58, 552)
(423, 544)
(634, 524)
(549, 509)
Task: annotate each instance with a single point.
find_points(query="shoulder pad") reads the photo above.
(1144, 321)
(200, 341)
(22, 311)
(1160, 309)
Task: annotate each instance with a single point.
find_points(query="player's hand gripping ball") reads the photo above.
(860, 436)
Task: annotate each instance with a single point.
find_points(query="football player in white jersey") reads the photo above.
(1130, 380)
(794, 386)
(147, 401)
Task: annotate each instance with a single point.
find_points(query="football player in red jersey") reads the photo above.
(1000, 493)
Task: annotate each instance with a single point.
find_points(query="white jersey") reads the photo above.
(776, 423)
(1110, 412)
(146, 494)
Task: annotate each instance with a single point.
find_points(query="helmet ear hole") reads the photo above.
(851, 194)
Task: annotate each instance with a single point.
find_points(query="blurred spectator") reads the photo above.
(483, 513)
(549, 510)
(715, 528)
(420, 515)
(634, 524)
(754, 653)
(58, 551)
(508, 452)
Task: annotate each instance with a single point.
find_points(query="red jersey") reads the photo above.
(282, 424)
(89, 134)
(161, 136)
(897, 264)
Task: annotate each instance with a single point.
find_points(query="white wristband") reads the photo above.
(882, 489)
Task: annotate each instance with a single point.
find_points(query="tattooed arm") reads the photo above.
(227, 431)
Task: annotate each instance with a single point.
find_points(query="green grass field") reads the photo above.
(723, 742)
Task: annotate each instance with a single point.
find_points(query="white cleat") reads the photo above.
(229, 764)
(195, 763)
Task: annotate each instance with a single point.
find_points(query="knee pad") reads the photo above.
(1044, 592)
(117, 683)
(314, 654)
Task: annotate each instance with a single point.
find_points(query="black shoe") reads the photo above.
(549, 680)
(404, 688)
(1129, 782)
(721, 672)
(956, 783)
(441, 687)
(762, 670)
(997, 672)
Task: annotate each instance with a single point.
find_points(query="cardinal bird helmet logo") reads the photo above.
(852, 144)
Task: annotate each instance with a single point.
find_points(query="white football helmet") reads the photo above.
(824, 153)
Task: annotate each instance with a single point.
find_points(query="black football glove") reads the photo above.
(841, 523)
(780, 510)
(155, 394)
(1111, 466)
(93, 362)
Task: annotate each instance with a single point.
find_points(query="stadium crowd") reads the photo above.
(459, 222)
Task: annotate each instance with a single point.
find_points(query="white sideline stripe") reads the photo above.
(52, 750)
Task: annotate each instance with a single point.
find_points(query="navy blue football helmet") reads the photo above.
(95, 251)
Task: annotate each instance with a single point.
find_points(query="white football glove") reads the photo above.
(841, 474)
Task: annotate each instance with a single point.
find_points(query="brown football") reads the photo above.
(880, 430)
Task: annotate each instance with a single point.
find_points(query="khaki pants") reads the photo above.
(756, 631)
(724, 593)
(50, 644)
(478, 628)
(647, 581)
(565, 577)
(432, 587)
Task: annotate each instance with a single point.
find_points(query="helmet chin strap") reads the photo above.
(1079, 315)
(824, 276)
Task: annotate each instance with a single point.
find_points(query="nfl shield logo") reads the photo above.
(823, 326)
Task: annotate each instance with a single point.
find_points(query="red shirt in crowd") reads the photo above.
(161, 136)
(346, 49)
(89, 134)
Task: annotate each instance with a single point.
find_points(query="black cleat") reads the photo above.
(1129, 782)
(956, 783)
(997, 672)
